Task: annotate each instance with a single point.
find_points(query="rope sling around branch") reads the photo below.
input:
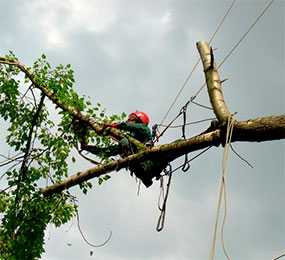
(222, 192)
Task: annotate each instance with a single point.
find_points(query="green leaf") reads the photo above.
(100, 181)
(106, 177)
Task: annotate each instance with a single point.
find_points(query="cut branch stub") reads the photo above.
(213, 82)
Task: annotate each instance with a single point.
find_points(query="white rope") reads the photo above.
(222, 193)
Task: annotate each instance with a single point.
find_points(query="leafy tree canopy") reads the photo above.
(41, 138)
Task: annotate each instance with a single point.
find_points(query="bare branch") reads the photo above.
(213, 82)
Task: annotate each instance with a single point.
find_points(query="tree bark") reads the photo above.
(254, 130)
(213, 82)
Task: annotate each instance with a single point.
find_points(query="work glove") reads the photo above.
(113, 125)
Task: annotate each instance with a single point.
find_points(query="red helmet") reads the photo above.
(143, 117)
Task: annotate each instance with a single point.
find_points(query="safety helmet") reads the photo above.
(142, 116)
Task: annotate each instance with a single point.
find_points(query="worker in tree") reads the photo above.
(137, 127)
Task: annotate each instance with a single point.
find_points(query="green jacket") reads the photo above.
(145, 170)
(138, 131)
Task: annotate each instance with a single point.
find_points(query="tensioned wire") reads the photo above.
(238, 43)
(196, 64)
(225, 58)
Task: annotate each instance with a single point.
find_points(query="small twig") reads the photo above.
(224, 80)
(87, 158)
(35, 100)
(26, 92)
(10, 168)
(10, 160)
(3, 191)
(203, 106)
(239, 156)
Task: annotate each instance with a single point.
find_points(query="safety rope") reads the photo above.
(155, 132)
(181, 112)
(161, 218)
(161, 193)
(193, 158)
(191, 123)
(186, 164)
(222, 192)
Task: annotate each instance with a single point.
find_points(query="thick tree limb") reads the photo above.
(213, 82)
(256, 130)
(89, 121)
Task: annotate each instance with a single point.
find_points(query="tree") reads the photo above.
(43, 148)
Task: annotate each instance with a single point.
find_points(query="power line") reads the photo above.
(246, 33)
(196, 64)
(223, 61)
(237, 44)
(190, 123)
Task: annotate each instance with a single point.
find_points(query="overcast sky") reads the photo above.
(132, 54)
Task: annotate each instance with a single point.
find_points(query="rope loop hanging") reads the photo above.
(186, 164)
(161, 218)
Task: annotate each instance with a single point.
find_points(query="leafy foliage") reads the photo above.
(43, 137)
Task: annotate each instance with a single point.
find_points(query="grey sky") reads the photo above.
(132, 55)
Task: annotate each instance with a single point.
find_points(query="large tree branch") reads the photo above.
(256, 130)
(86, 119)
